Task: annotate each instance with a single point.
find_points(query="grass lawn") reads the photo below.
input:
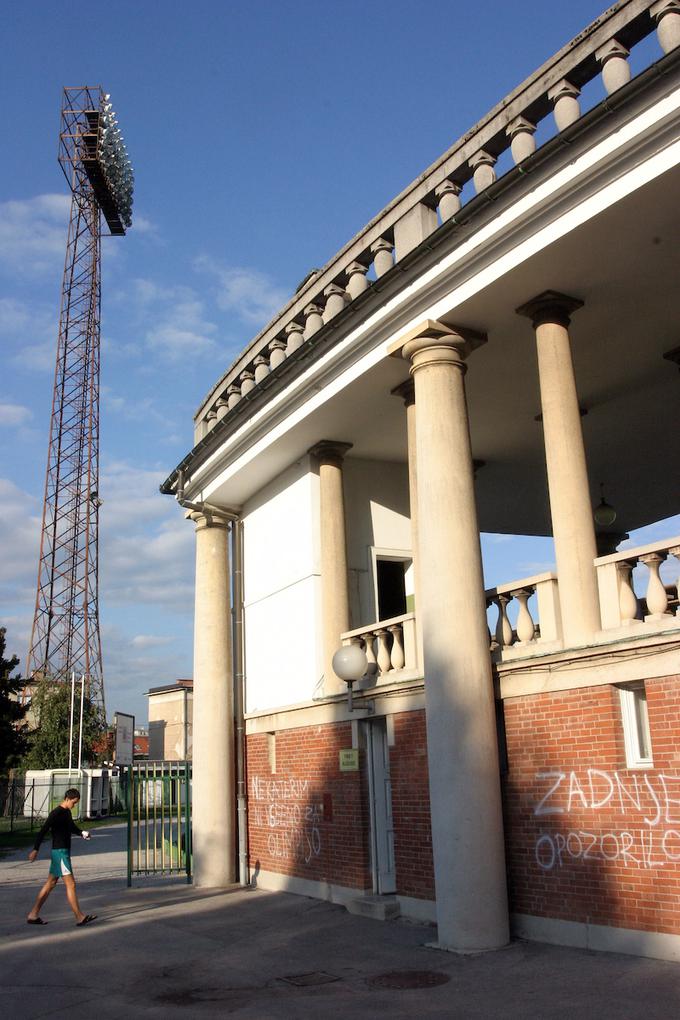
(24, 837)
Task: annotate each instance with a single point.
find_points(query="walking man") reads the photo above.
(60, 823)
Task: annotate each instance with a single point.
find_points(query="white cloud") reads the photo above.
(131, 668)
(33, 233)
(143, 225)
(147, 547)
(20, 519)
(149, 641)
(32, 331)
(14, 415)
(251, 294)
(171, 320)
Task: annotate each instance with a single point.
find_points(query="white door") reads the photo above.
(382, 824)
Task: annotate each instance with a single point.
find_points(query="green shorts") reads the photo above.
(60, 863)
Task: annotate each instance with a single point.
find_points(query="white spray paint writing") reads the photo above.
(655, 799)
(282, 806)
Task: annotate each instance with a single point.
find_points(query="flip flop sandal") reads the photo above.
(86, 920)
(35, 920)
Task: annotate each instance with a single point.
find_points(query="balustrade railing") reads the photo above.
(638, 588)
(390, 644)
(528, 633)
(437, 196)
(632, 590)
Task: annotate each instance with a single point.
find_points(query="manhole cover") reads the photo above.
(408, 979)
(316, 977)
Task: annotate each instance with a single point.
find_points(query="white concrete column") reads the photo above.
(570, 503)
(213, 805)
(408, 394)
(329, 455)
(465, 801)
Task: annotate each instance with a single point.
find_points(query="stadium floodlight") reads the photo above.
(92, 142)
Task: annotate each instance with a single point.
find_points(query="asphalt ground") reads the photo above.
(165, 949)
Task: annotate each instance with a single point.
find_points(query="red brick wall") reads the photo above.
(411, 807)
(308, 819)
(589, 839)
(312, 821)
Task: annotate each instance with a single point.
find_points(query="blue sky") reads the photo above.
(263, 136)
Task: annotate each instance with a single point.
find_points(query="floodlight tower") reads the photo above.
(65, 636)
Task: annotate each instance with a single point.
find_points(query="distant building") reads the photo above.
(140, 746)
(170, 721)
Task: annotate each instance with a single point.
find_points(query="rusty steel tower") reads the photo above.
(65, 636)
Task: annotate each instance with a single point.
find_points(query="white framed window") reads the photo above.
(635, 720)
(393, 582)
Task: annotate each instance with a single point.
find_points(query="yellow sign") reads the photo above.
(349, 760)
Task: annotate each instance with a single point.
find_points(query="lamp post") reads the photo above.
(350, 664)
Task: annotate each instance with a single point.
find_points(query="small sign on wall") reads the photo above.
(349, 760)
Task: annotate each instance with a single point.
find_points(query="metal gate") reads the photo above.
(159, 819)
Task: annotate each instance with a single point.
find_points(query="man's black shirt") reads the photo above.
(62, 825)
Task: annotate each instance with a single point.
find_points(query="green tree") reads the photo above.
(48, 744)
(12, 729)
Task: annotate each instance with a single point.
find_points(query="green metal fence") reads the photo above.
(159, 819)
(27, 799)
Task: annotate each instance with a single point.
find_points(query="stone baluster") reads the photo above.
(383, 256)
(356, 279)
(675, 551)
(526, 629)
(448, 198)
(368, 639)
(295, 336)
(483, 174)
(566, 106)
(384, 659)
(233, 395)
(493, 644)
(313, 314)
(277, 353)
(613, 58)
(397, 656)
(211, 418)
(261, 364)
(522, 142)
(666, 13)
(247, 382)
(657, 598)
(222, 408)
(336, 299)
(628, 603)
(503, 626)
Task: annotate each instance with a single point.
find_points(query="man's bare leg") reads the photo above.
(42, 896)
(70, 883)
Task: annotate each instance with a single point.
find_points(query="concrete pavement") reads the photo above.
(164, 949)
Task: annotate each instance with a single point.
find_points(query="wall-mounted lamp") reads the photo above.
(351, 664)
(604, 513)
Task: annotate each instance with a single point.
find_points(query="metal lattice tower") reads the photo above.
(65, 636)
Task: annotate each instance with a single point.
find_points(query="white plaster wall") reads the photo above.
(377, 515)
(282, 590)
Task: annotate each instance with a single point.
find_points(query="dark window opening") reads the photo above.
(391, 589)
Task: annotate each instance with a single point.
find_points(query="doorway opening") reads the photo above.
(380, 798)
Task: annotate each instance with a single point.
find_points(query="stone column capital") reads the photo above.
(330, 451)
(407, 392)
(433, 342)
(209, 518)
(550, 306)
